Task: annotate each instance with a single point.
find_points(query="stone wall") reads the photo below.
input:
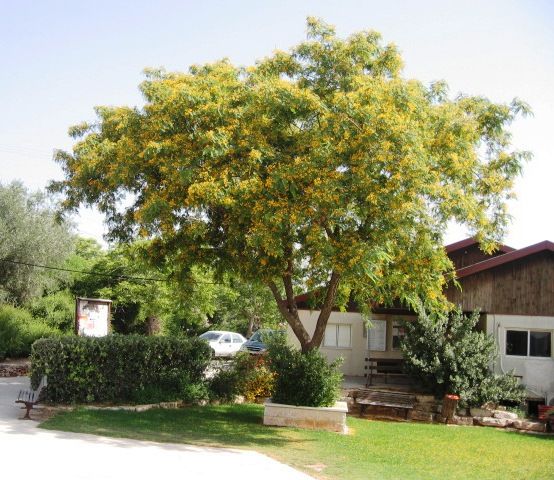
(14, 369)
(428, 409)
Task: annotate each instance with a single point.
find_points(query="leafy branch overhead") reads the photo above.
(319, 168)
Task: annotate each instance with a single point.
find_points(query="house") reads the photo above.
(514, 291)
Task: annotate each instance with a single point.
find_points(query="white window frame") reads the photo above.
(528, 330)
(400, 324)
(336, 345)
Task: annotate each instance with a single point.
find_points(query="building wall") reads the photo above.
(354, 356)
(521, 287)
(537, 373)
(468, 256)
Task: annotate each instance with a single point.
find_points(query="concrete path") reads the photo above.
(29, 452)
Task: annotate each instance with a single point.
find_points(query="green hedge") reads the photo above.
(118, 368)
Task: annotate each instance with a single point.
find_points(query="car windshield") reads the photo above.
(262, 335)
(210, 336)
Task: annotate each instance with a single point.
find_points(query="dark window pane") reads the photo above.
(516, 343)
(540, 344)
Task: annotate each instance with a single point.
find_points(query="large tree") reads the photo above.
(29, 235)
(321, 167)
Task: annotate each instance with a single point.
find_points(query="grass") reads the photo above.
(373, 450)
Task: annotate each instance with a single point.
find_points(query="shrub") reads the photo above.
(305, 379)
(224, 385)
(448, 355)
(118, 368)
(18, 331)
(248, 376)
(255, 379)
(56, 310)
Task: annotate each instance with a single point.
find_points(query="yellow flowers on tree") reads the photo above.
(320, 168)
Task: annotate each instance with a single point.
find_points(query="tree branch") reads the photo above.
(291, 317)
(325, 312)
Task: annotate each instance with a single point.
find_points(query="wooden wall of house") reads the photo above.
(470, 255)
(522, 287)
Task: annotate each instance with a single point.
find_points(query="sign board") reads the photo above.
(377, 334)
(92, 317)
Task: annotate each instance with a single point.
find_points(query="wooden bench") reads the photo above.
(29, 398)
(387, 367)
(396, 400)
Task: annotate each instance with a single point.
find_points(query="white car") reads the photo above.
(222, 343)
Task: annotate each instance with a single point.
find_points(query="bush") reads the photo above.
(119, 368)
(248, 376)
(255, 376)
(224, 385)
(18, 331)
(305, 379)
(57, 310)
(448, 355)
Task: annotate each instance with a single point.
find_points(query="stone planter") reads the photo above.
(317, 418)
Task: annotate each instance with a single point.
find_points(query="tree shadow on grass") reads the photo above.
(233, 426)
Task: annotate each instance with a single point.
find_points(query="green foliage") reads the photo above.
(29, 233)
(448, 355)
(244, 307)
(256, 380)
(312, 168)
(249, 376)
(224, 385)
(19, 330)
(55, 309)
(116, 367)
(305, 379)
(182, 304)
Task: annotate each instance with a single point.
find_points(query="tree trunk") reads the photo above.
(253, 321)
(153, 326)
(288, 309)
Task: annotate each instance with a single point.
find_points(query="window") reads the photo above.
(237, 338)
(338, 336)
(225, 339)
(377, 336)
(528, 343)
(398, 334)
(516, 342)
(540, 344)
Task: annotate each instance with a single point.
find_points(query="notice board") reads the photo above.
(92, 316)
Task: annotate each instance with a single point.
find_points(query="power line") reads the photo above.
(98, 274)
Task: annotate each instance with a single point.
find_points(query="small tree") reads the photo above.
(448, 355)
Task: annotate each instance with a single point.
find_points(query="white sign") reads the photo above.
(377, 334)
(93, 317)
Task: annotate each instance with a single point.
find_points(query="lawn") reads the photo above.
(373, 450)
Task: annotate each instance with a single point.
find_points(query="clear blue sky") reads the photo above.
(61, 58)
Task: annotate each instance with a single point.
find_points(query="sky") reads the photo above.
(59, 59)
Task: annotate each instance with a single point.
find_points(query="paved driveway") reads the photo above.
(29, 452)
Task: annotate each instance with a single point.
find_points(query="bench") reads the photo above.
(29, 398)
(387, 367)
(396, 400)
